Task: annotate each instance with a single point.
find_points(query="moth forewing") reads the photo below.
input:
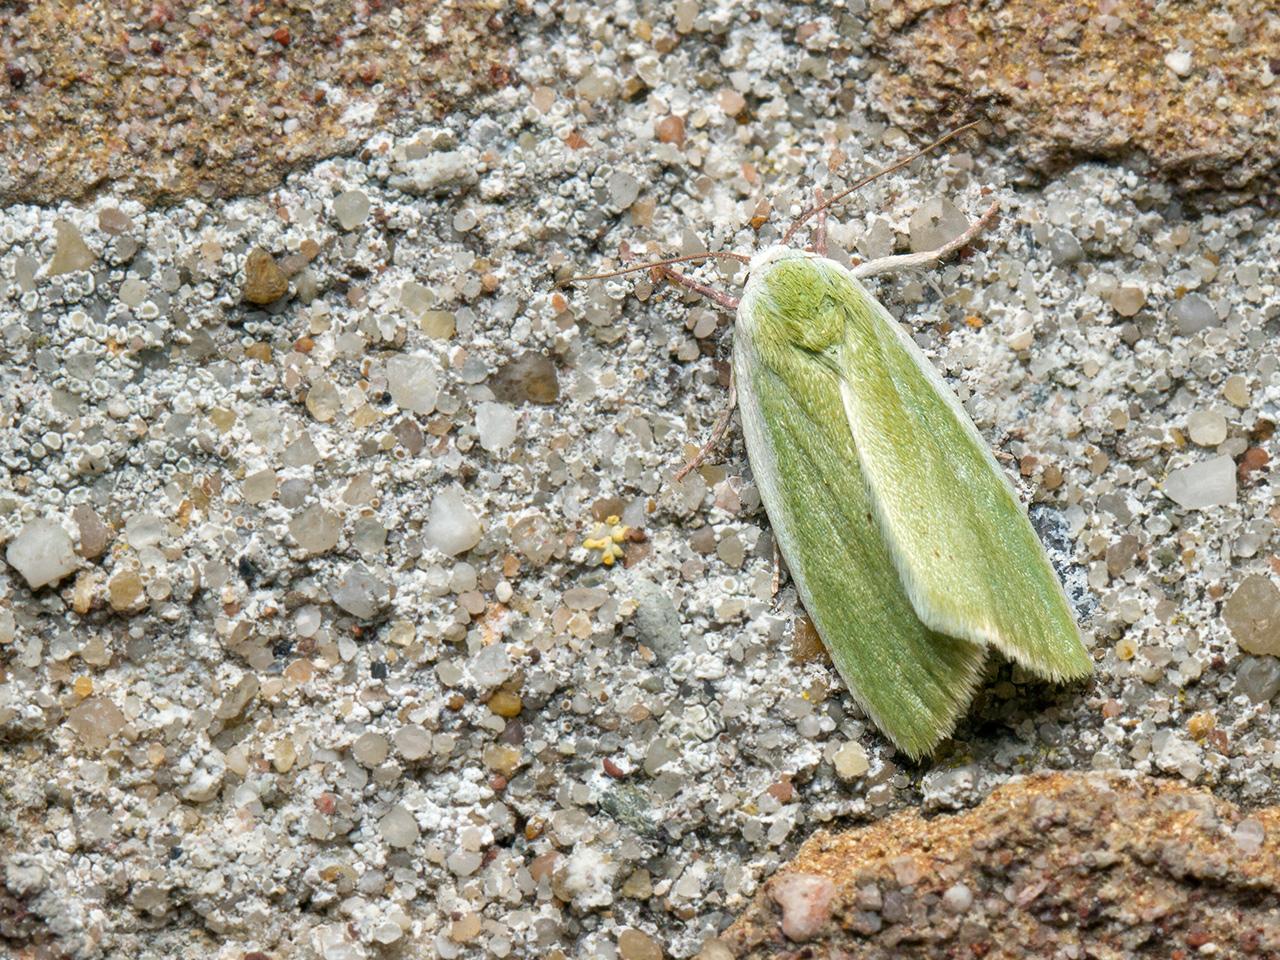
(954, 526)
(913, 681)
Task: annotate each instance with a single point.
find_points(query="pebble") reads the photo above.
(360, 593)
(413, 741)
(1258, 678)
(492, 666)
(1236, 390)
(437, 173)
(1064, 248)
(370, 749)
(452, 528)
(70, 253)
(529, 378)
(1208, 428)
(1209, 483)
(96, 721)
(636, 945)
(506, 705)
(1252, 614)
(623, 189)
(124, 590)
(113, 220)
(1249, 835)
(1127, 301)
(316, 529)
(398, 827)
(94, 534)
(1193, 313)
(805, 900)
(936, 221)
(259, 487)
(958, 898)
(851, 761)
(42, 553)
(411, 380)
(323, 401)
(264, 281)
(656, 620)
(351, 207)
(496, 424)
(1179, 61)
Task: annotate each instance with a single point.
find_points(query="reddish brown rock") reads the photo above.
(1098, 863)
(168, 101)
(1188, 94)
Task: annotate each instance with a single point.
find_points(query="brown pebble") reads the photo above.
(506, 704)
(670, 129)
(264, 281)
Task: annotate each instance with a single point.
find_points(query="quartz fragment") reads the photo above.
(936, 222)
(42, 553)
(452, 528)
(529, 378)
(360, 593)
(496, 424)
(1208, 428)
(398, 827)
(411, 380)
(351, 207)
(316, 529)
(1258, 678)
(1193, 313)
(851, 761)
(1252, 614)
(1209, 483)
(71, 253)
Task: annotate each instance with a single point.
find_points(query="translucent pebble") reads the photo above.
(1208, 428)
(935, 222)
(70, 253)
(323, 401)
(1252, 614)
(530, 377)
(465, 220)
(42, 553)
(496, 424)
(1179, 61)
(259, 487)
(412, 741)
(316, 529)
(398, 828)
(1193, 313)
(370, 749)
(851, 761)
(1258, 678)
(1249, 835)
(1064, 248)
(1236, 390)
(1209, 483)
(411, 380)
(491, 666)
(451, 527)
(637, 945)
(351, 208)
(1127, 301)
(958, 898)
(360, 593)
(623, 189)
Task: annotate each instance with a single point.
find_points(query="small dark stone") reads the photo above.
(378, 670)
(248, 571)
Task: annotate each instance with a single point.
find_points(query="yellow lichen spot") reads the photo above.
(973, 321)
(1201, 725)
(83, 687)
(1126, 649)
(605, 538)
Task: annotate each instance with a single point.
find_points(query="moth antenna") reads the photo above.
(721, 254)
(897, 165)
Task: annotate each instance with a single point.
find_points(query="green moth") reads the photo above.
(906, 541)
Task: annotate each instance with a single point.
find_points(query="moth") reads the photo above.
(908, 545)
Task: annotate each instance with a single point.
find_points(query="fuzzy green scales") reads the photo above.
(907, 543)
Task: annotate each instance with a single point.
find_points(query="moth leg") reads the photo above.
(819, 225)
(711, 293)
(717, 434)
(927, 257)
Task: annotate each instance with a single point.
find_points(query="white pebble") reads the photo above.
(1209, 483)
(452, 528)
(42, 553)
(496, 424)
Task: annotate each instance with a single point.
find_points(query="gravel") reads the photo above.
(424, 497)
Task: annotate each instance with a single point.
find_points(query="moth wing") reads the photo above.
(958, 535)
(912, 681)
